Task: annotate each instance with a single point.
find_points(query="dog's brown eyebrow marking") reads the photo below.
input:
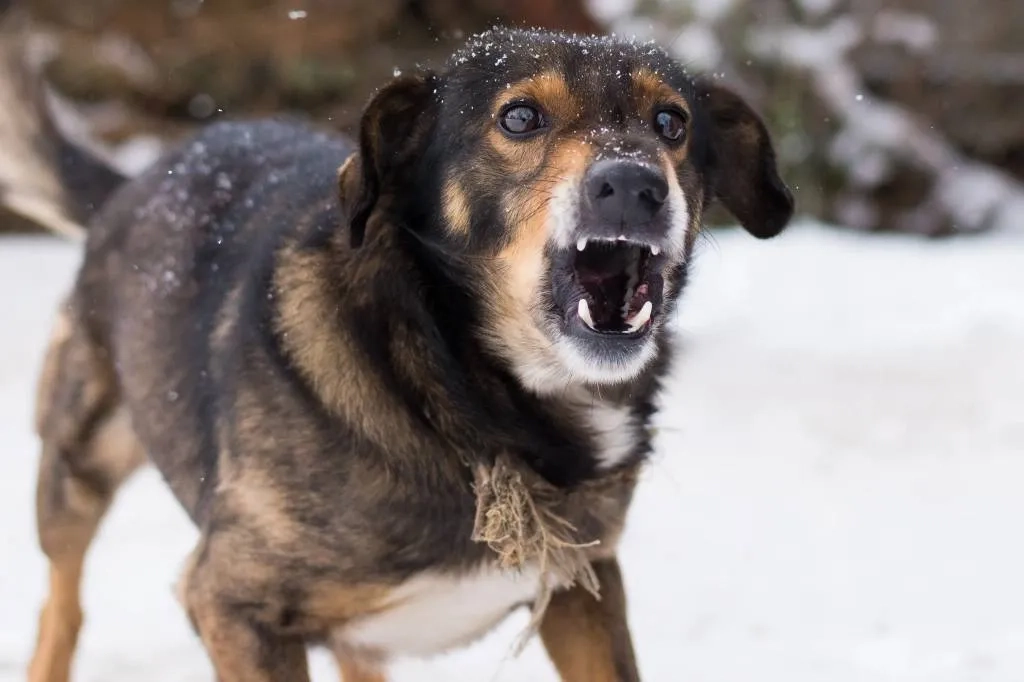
(528, 207)
(551, 92)
(549, 89)
(650, 90)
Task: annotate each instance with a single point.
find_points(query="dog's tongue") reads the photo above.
(639, 298)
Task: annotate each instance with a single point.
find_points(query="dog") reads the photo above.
(401, 382)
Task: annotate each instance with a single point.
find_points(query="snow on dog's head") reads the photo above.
(571, 176)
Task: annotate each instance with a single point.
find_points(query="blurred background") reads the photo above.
(889, 115)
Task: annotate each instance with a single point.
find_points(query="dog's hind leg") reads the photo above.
(88, 450)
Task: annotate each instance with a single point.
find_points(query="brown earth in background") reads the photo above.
(161, 67)
(180, 62)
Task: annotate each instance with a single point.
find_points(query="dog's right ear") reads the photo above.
(390, 132)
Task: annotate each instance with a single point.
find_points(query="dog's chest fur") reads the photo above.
(432, 613)
(614, 430)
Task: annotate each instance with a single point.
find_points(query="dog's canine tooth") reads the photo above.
(583, 310)
(641, 318)
(581, 243)
(655, 250)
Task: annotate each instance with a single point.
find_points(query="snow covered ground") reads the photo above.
(838, 493)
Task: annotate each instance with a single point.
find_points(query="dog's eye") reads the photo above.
(520, 120)
(670, 124)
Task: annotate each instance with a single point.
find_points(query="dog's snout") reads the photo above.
(626, 192)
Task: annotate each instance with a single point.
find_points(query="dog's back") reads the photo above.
(190, 235)
(191, 239)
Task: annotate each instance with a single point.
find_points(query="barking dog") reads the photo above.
(402, 384)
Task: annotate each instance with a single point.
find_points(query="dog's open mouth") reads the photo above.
(616, 285)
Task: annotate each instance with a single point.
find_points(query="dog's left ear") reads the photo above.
(744, 175)
(390, 131)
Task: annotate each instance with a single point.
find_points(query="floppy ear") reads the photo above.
(744, 175)
(390, 131)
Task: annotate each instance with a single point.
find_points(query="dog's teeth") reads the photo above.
(584, 312)
(655, 250)
(622, 238)
(581, 243)
(641, 318)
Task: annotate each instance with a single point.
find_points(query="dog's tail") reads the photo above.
(46, 178)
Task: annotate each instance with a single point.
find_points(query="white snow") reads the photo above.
(838, 490)
(914, 31)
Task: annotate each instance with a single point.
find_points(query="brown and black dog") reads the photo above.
(400, 385)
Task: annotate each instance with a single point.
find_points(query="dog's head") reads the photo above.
(567, 177)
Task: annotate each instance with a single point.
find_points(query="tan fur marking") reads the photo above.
(588, 639)
(226, 317)
(59, 335)
(527, 210)
(66, 535)
(455, 206)
(59, 624)
(239, 654)
(75, 388)
(349, 181)
(336, 604)
(239, 651)
(69, 359)
(323, 354)
(550, 91)
(511, 323)
(649, 92)
(681, 176)
(353, 670)
(521, 157)
(579, 647)
(115, 446)
(253, 495)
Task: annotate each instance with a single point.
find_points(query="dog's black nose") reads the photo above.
(625, 192)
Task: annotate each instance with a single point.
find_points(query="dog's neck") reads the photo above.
(435, 375)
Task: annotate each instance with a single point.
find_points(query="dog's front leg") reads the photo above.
(588, 639)
(242, 652)
(241, 648)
